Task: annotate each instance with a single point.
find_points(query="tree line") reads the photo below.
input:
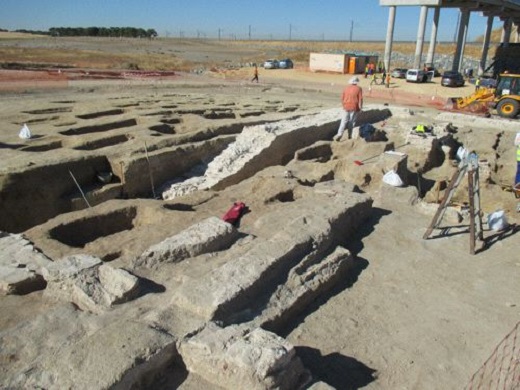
(126, 32)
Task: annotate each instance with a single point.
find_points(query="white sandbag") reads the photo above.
(497, 221)
(25, 133)
(392, 178)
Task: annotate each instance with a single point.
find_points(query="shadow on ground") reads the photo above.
(339, 371)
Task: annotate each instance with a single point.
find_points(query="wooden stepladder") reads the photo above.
(469, 166)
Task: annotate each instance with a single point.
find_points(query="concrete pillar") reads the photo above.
(420, 37)
(506, 32)
(461, 40)
(485, 46)
(433, 36)
(389, 37)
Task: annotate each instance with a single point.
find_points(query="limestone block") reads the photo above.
(297, 231)
(118, 283)
(258, 147)
(90, 284)
(69, 267)
(210, 235)
(237, 357)
(20, 265)
(303, 287)
(223, 290)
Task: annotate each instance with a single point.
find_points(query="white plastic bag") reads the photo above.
(462, 153)
(392, 178)
(517, 139)
(497, 221)
(25, 133)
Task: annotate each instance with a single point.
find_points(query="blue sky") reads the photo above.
(266, 19)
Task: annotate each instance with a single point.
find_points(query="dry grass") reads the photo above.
(300, 50)
(15, 35)
(88, 59)
(159, 54)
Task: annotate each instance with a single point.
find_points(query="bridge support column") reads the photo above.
(420, 37)
(461, 40)
(433, 36)
(485, 46)
(389, 37)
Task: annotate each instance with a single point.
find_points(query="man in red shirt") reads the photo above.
(352, 100)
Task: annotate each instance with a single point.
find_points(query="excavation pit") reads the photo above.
(42, 147)
(101, 114)
(100, 128)
(80, 232)
(104, 142)
(164, 129)
(49, 110)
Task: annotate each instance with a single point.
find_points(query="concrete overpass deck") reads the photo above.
(508, 11)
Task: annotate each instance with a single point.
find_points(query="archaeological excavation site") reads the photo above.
(168, 236)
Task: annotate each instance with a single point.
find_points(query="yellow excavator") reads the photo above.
(505, 98)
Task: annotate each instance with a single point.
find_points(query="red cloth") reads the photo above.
(352, 98)
(234, 214)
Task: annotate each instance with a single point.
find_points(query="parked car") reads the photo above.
(418, 76)
(286, 64)
(399, 73)
(452, 79)
(271, 64)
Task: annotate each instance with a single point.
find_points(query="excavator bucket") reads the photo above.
(476, 103)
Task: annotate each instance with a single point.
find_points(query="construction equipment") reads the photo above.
(469, 166)
(505, 98)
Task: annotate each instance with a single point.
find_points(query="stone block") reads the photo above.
(69, 267)
(224, 290)
(237, 357)
(88, 283)
(297, 231)
(20, 265)
(209, 235)
(303, 286)
(118, 283)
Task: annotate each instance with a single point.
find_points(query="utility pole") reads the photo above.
(219, 31)
(351, 29)
(290, 31)
(249, 32)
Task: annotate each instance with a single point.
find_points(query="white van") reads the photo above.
(415, 76)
